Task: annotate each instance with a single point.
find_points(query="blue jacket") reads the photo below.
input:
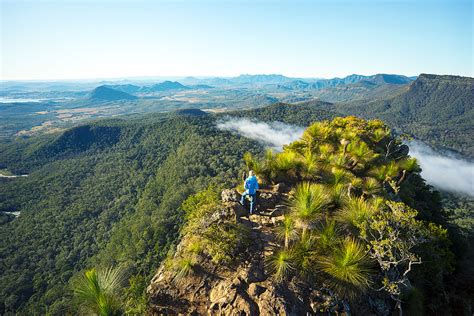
(251, 185)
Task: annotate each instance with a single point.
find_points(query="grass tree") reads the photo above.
(97, 291)
(183, 268)
(308, 205)
(309, 164)
(347, 268)
(328, 236)
(287, 231)
(316, 134)
(304, 251)
(360, 153)
(356, 211)
(281, 263)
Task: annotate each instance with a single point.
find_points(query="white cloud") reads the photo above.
(273, 134)
(443, 171)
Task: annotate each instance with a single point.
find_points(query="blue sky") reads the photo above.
(106, 39)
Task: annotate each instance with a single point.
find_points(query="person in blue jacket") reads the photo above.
(251, 187)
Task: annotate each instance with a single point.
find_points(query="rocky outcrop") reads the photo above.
(245, 286)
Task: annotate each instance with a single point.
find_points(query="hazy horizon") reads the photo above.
(83, 40)
(164, 77)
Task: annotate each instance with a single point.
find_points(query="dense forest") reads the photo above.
(436, 109)
(104, 193)
(109, 193)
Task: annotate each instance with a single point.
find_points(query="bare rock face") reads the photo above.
(243, 286)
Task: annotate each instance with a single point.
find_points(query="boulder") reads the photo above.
(236, 209)
(267, 200)
(230, 195)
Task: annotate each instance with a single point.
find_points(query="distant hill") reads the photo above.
(261, 79)
(437, 109)
(128, 88)
(164, 86)
(317, 84)
(373, 89)
(104, 93)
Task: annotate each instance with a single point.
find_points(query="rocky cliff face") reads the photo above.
(244, 287)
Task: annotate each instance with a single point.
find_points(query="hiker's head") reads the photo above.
(250, 173)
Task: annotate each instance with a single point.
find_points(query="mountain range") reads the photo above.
(437, 109)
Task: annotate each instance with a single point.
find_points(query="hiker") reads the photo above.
(251, 187)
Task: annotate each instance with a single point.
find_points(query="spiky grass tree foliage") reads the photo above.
(309, 165)
(339, 195)
(347, 268)
(97, 291)
(360, 153)
(339, 176)
(385, 172)
(281, 264)
(410, 164)
(325, 150)
(327, 235)
(287, 231)
(183, 268)
(356, 211)
(308, 204)
(316, 134)
(371, 186)
(304, 253)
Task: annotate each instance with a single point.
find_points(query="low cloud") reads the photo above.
(442, 170)
(273, 134)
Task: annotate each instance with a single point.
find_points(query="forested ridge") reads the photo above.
(109, 193)
(436, 109)
(111, 198)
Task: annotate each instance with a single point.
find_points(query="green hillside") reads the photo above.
(103, 193)
(437, 109)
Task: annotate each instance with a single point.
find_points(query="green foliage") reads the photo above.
(96, 291)
(347, 267)
(355, 173)
(223, 241)
(104, 202)
(328, 235)
(287, 231)
(183, 267)
(308, 204)
(135, 296)
(356, 211)
(392, 233)
(281, 264)
(196, 205)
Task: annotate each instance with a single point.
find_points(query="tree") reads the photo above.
(347, 267)
(97, 291)
(308, 205)
(392, 234)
